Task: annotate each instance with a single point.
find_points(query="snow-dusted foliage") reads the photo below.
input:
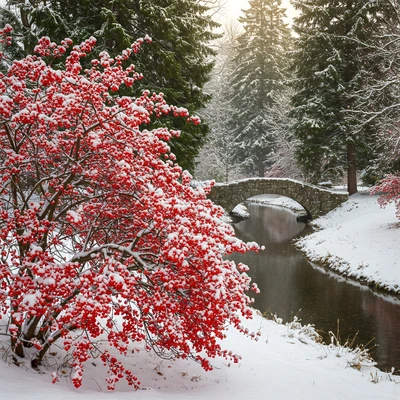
(177, 64)
(279, 122)
(260, 62)
(377, 102)
(216, 157)
(101, 233)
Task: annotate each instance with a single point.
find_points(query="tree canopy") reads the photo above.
(330, 67)
(178, 62)
(260, 68)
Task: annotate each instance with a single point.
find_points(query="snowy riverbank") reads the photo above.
(359, 240)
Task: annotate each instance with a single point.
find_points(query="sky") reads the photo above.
(232, 9)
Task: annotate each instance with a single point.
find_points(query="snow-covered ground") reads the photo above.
(360, 240)
(285, 363)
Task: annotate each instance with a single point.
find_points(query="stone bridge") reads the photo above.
(316, 201)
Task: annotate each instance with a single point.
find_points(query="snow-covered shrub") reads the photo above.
(98, 225)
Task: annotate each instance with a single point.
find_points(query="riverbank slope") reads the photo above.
(359, 240)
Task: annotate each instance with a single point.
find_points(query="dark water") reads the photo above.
(290, 286)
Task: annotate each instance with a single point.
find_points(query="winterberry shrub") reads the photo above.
(101, 233)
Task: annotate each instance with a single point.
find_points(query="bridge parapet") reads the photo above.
(316, 201)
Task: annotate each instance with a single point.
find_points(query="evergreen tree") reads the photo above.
(279, 123)
(216, 157)
(31, 20)
(330, 67)
(182, 61)
(260, 64)
(177, 63)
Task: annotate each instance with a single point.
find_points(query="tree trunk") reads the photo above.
(17, 348)
(261, 170)
(26, 29)
(351, 169)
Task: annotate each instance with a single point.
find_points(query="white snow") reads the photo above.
(336, 190)
(29, 300)
(74, 216)
(276, 200)
(285, 363)
(240, 211)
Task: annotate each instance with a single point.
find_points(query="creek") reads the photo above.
(292, 286)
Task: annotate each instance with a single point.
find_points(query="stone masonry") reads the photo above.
(315, 200)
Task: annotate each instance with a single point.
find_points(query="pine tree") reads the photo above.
(279, 123)
(216, 157)
(183, 60)
(177, 63)
(260, 69)
(31, 20)
(330, 67)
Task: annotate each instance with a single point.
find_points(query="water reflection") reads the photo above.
(290, 285)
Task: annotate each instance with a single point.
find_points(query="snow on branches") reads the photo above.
(100, 231)
(389, 187)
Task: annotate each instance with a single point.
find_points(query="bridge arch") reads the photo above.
(315, 200)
